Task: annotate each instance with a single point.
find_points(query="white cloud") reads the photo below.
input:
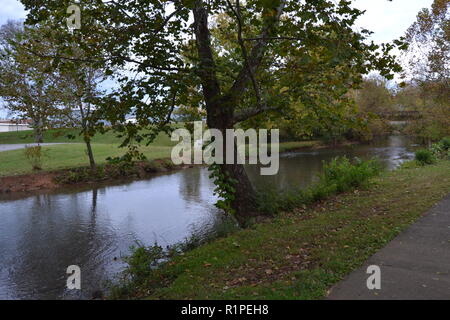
(389, 20)
(11, 10)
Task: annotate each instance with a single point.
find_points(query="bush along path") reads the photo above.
(300, 253)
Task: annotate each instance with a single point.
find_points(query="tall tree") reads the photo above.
(429, 69)
(25, 86)
(265, 69)
(374, 96)
(429, 49)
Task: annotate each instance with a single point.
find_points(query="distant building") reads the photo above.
(9, 125)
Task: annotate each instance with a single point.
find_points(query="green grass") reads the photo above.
(293, 145)
(73, 153)
(302, 253)
(60, 136)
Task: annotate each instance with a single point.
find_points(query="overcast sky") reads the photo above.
(388, 20)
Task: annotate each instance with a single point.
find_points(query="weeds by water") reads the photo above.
(439, 150)
(144, 264)
(113, 170)
(339, 175)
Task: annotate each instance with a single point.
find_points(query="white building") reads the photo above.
(7, 126)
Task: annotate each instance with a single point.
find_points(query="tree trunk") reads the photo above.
(38, 136)
(245, 197)
(90, 154)
(220, 106)
(244, 202)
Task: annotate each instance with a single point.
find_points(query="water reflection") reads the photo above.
(50, 233)
(41, 235)
(300, 169)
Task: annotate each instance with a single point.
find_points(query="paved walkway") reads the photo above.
(415, 265)
(7, 147)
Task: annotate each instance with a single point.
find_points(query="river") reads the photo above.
(42, 234)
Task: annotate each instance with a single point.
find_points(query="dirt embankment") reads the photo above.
(28, 182)
(83, 176)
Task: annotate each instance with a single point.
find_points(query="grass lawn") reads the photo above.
(73, 154)
(69, 156)
(301, 254)
(60, 135)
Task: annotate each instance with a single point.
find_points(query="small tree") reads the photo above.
(79, 84)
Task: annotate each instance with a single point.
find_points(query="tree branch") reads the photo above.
(256, 55)
(207, 70)
(124, 58)
(248, 113)
(237, 13)
(172, 107)
(272, 38)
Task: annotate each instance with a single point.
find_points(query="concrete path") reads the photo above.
(415, 265)
(7, 147)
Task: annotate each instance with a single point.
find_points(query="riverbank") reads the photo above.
(301, 254)
(61, 165)
(78, 177)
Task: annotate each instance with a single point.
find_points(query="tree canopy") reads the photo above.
(245, 58)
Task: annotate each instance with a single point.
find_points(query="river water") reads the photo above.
(42, 234)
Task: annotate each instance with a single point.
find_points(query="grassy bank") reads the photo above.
(302, 253)
(70, 156)
(61, 136)
(73, 154)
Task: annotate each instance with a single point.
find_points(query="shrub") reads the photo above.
(441, 149)
(122, 169)
(145, 270)
(411, 164)
(143, 260)
(34, 156)
(425, 156)
(82, 174)
(339, 175)
(344, 175)
(445, 143)
(141, 273)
